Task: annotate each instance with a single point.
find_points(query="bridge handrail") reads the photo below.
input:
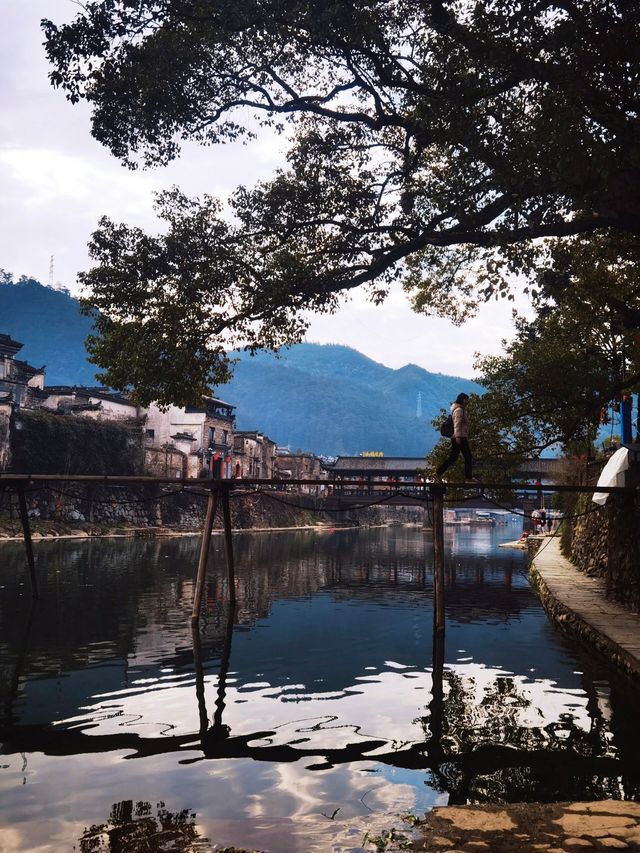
(232, 483)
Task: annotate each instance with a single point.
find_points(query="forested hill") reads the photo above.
(334, 400)
(329, 399)
(49, 324)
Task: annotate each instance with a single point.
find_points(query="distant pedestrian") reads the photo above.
(460, 438)
(543, 519)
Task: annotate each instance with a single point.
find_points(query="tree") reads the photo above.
(430, 142)
(555, 380)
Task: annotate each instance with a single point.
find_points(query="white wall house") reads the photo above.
(204, 433)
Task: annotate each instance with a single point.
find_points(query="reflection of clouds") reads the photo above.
(237, 801)
(381, 706)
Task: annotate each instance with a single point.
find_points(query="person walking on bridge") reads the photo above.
(460, 438)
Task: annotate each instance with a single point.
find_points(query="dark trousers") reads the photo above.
(456, 450)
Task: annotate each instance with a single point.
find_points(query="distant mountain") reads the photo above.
(326, 398)
(333, 400)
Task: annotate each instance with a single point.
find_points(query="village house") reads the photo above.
(17, 378)
(299, 466)
(204, 434)
(254, 455)
(179, 442)
(18, 382)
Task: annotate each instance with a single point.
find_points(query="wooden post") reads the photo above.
(199, 672)
(437, 493)
(205, 542)
(435, 749)
(228, 544)
(224, 669)
(26, 530)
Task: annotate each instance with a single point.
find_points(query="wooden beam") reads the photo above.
(205, 542)
(228, 544)
(26, 531)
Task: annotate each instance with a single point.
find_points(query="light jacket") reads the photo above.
(460, 425)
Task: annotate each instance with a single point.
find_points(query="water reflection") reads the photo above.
(140, 828)
(321, 689)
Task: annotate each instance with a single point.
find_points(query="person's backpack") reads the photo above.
(446, 427)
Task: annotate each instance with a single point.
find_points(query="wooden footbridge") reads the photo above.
(219, 492)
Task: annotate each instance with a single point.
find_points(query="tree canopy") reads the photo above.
(553, 383)
(428, 142)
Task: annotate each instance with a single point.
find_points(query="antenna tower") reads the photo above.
(51, 272)
(419, 406)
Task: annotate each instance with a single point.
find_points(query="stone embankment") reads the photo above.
(579, 604)
(98, 510)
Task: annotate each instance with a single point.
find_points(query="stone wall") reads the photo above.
(95, 509)
(606, 543)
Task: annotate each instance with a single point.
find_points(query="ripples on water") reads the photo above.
(322, 691)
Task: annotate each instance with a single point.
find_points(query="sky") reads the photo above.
(57, 181)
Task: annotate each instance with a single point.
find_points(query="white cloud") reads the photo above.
(395, 335)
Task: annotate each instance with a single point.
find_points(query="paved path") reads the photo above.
(550, 828)
(579, 604)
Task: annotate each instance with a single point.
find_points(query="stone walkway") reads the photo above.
(578, 604)
(549, 828)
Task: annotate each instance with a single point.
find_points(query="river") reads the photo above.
(314, 713)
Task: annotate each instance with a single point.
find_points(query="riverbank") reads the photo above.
(166, 532)
(98, 511)
(579, 605)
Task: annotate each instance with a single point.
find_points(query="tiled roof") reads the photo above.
(8, 341)
(381, 464)
(85, 391)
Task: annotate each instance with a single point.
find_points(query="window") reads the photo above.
(225, 433)
(150, 433)
(212, 436)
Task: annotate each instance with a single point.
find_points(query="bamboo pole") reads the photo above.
(437, 494)
(26, 530)
(205, 542)
(228, 544)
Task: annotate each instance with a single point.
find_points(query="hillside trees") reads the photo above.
(429, 142)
